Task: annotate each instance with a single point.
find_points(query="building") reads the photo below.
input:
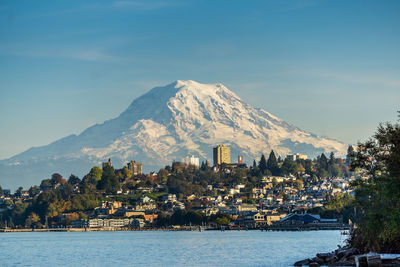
(222, 154)
(296, 156)
(191, 161)
(135, 167)
(108, 163)
(99, 223)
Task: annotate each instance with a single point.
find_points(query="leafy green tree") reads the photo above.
(34, 190)
(223, 221)
(56, 178)
(378, 199)
(298, 184)
(109, 181)
(162, 175)
(126, 173)
(45, 183)
(289, 167)
(94, 176)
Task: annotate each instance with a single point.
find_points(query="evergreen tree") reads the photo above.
(323, 166)
(255, 171)
(332, 159)
(73, 179)
(262, 165)
(350, 155)
(272, 164)
(203, 166)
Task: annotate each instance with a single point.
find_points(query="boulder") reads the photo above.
(346, 253)
(318, 260)
(302, 262)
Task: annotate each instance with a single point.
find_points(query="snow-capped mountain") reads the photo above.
(166, 124)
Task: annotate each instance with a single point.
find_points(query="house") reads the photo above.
(150, 218)
(169, 198)
(145, 200)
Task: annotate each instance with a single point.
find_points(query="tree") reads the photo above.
(45, 183)
(289, 167)
(272, 164)
(56, 178)
(350, 155)
(323, 162)
(73, 179)
(109, 181)
(262, 165)
(255, 171)
(298, 184)
(162, 175)
(33, 220)
(274, 182)
(19, 191)
(126, 173)
(223, 220)
(378, 199)
(94, 176)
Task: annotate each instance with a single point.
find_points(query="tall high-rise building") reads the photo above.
(222, 154)
(135, 167)
(191, 161)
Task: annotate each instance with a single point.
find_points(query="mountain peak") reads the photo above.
(168, 123)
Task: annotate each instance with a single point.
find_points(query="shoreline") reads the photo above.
(124, 229)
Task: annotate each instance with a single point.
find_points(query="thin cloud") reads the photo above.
(78, 53)
(146, 5)
(355, 77)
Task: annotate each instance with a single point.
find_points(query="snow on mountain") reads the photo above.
(165, 124)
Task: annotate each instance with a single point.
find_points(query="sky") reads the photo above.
(328, 67)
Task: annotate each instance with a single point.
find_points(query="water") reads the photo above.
(208, 248)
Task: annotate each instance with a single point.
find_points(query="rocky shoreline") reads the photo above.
(351, 257)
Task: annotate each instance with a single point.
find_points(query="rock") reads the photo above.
(318, 260)
(303, 262)
(346, 253)
(343, 263)
(315, 264)
(374, 260)
(324, 255)
(361, 261)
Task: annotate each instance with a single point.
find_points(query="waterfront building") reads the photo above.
(135, 167)
(222, 154)
(99, 223)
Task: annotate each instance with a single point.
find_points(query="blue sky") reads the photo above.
(329, 67)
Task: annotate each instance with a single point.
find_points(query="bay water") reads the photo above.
(164, 248)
